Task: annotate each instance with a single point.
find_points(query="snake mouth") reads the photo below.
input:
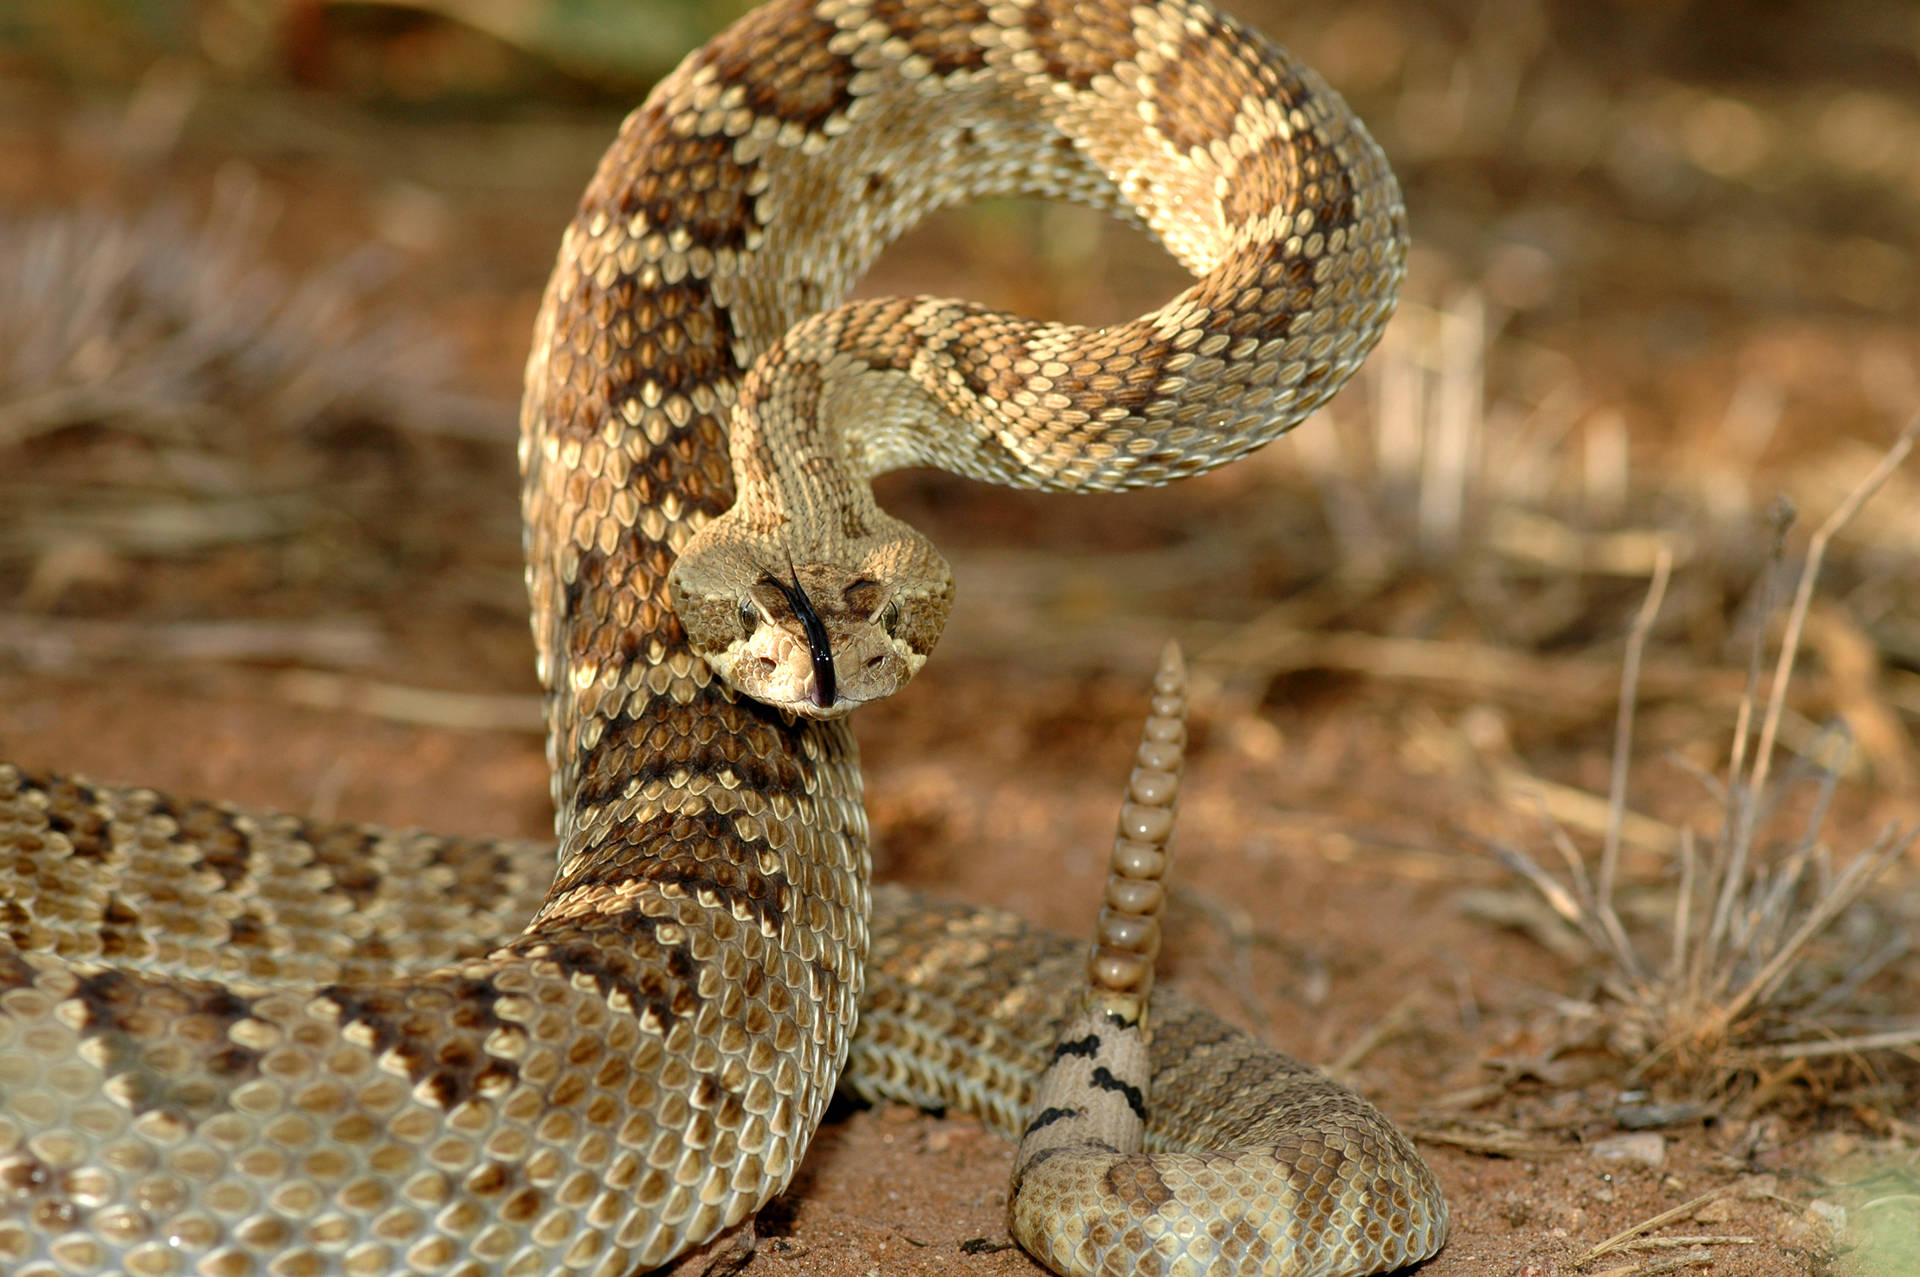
(819, 649)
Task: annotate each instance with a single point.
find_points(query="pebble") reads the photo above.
(1829, 1215)
(1642, 1148)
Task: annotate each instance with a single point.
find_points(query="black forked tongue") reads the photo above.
(817, 646)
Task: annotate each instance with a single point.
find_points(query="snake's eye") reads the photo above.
(890, 619)
(749, 618)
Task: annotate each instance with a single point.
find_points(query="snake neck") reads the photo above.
(802, 438)
(741, 201)
(767, 172)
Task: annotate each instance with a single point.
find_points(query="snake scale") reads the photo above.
(241, 1044)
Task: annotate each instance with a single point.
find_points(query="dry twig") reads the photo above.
(1619, 1239)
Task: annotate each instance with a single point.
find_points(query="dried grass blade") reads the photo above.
(1781, 515)
(1622, 746)
(1803, 596)
(1677, 971)
(1562, 901)
(1853, 882)
(1773, 907)
(1891, 1039)
(1612, 941)
(1736, 823)
(1674, 1243)
(1647, 1225)
(1693, 1259)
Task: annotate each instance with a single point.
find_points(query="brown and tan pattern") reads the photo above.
(1239, 160)
(237, 1043)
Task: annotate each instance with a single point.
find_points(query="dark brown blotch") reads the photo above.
(75, 812)
(622, 956)
(347, 854)
(942, 33)
(124, 1013)
(678, 338)
(1198, 92)
(805, 82)
(1133, 1182)
(863, 597)
(1083, 43)
(877, 332)
(710, 734)
(413, 1024)
(214, 831)
(620, 337)
(696, 854)
(122, 930)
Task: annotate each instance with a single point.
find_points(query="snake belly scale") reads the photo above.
(238, 1044)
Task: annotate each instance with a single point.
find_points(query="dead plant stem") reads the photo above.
(1622, 745)
(1648, 1225)
(1803, 596)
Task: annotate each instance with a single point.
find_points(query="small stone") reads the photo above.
(1831, 1216)
(952, 1137)
(1718, 1211)
(1642, 1148)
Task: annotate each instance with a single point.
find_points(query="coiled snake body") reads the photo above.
(237, 1043)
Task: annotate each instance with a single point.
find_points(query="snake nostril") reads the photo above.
(874, 662)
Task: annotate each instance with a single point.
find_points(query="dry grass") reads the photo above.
(167, 326)
(185, 394)
(1750, 969)
(1529, 519)
(168, 395)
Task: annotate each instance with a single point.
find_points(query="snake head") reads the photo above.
(817, 629)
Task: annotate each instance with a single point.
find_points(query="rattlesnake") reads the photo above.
(240, 1043)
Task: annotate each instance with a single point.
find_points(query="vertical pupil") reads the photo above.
(749, 616)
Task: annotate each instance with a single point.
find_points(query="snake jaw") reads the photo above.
(814, 629)
(833, 640)
(810, 649)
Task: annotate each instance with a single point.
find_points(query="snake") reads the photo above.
(239, 1043)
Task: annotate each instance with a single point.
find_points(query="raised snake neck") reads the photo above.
(1247, 167)
(221, 1053)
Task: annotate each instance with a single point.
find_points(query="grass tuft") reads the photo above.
(1753, 969)
(165, 326)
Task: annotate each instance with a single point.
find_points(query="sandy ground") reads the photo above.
(1645, 244)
